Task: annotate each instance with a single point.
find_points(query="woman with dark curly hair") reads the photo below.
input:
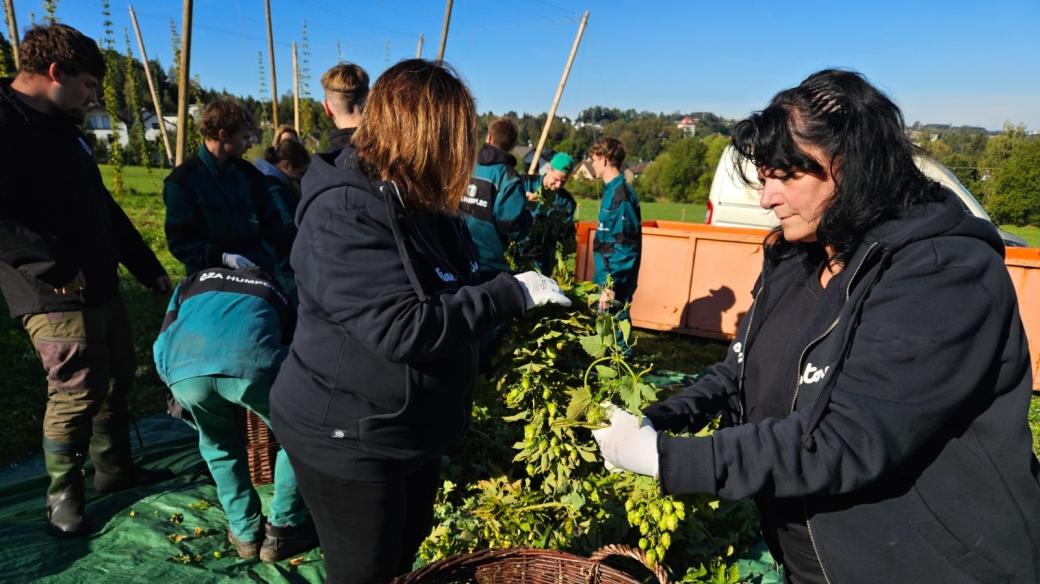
(874, 401)
(379, 379)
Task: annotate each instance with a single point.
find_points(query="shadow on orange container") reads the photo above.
(696, 279)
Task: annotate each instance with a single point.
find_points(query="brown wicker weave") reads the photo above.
(261, 447)
(530, 566)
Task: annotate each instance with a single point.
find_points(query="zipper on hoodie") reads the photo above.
(743, 360)
(797, 386)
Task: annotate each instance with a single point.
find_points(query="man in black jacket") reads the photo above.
(62, 237)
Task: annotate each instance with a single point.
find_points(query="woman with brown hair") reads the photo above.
(379, 378)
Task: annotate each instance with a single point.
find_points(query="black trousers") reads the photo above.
(369, 531)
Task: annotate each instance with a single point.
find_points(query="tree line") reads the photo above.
(1002, 171)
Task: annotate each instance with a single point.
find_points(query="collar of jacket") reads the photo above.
(210, 162)
(489, 155)
(57, 121)
(613, 184)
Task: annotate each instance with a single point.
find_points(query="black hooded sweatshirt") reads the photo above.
(56, 217)
(906, 448)
(383, 360)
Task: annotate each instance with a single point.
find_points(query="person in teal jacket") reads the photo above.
(218, 210)
(552, 214)
(618, 244)
(225, 335)
(283, 166)
(495, 203)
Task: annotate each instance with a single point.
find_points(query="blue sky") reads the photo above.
(956, 61)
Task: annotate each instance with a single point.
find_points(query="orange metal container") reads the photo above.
(696, 279)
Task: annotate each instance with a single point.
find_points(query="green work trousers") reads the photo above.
(211, 400)
(88, 356)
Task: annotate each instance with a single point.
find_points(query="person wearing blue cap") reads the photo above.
(552, 214)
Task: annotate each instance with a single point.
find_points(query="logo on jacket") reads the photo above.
(445, 276)
(813, 374)
(739, 350)
(470, 198)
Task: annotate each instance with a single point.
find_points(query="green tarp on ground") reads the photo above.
(167, 533)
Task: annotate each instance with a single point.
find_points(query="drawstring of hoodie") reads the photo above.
(820, 407)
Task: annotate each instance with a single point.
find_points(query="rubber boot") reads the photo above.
(114, 468)
(65, 498)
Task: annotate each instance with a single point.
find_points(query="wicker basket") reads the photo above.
(261, 447)
(530, 566)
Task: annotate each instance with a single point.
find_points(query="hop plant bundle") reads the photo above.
(529, 472)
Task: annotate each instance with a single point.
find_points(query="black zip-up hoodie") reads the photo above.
(383, 359)
(56, 217)
(907, 448)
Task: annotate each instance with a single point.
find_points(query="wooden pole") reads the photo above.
(151, 86)
(444, 31)
(418, 50)
(559, 93)
(182, 83)
(12, 29)
(296, 89)
(274, 79)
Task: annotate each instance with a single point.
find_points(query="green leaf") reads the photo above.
(580, 399)
(631, 396)
(648, 392)
(605, 372)
(573, 500)
(517, 417)
(625, 326)
(587, 455)
(593, 345)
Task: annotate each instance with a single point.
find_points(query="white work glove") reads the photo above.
(628, 443)
(236, 262)
(540, 290)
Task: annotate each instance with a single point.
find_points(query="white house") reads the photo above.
(688, 126)
(151, 125)
(100, 125)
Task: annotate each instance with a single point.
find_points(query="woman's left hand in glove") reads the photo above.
(628, 443)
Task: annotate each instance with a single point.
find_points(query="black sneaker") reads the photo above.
(281, 543)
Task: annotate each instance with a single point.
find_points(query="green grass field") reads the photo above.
(694, 213)
(23, 389)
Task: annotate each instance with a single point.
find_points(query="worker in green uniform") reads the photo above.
(495, 203)
(618, 244)
(218, 210)
(552, 214)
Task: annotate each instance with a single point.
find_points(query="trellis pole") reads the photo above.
(12, 29)
(559, 93)
(274, 79)
(296, 89)
(444, 31)
(151, 87)
(182, 82)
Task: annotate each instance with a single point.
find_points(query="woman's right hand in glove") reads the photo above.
(540, 290)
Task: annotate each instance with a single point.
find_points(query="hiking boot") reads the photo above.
(281, 543)
(65, 497)
(138, 476)
(247, 550)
